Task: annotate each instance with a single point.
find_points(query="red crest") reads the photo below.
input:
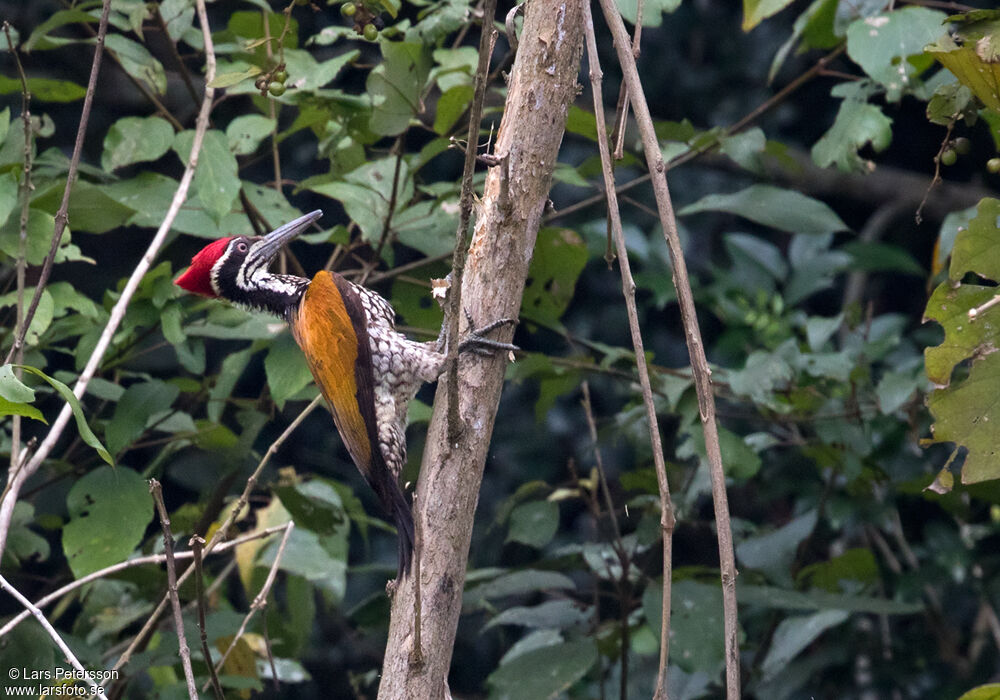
(198, 278)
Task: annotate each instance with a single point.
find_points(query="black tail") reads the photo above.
(403, 517)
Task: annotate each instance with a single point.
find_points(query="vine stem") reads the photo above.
(118, 312)
(696, 349)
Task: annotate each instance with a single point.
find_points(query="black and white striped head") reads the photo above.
(235, 268)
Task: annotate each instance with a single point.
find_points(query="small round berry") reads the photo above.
(276, 89)
(348, 9)
(993, 165)
(962, 145)
(280, 76)
(371, 32)
(949, 157)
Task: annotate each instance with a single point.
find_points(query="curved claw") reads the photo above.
(476, 341)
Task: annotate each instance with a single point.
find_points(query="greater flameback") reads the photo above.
(366, 370)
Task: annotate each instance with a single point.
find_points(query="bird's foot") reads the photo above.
(477, 342)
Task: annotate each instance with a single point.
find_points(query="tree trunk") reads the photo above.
(543, 83)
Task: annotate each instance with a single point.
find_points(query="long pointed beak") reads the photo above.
(269, 246)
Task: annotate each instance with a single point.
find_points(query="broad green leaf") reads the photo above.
(794, 634)
(882, 257)
(785, 210)
(773, 552)
(41, 226)
(286, 369)
(216, 181)
(858, 123)
(12, 388)
(245, 133)
(561, 614)
(880, 44)
(746, 148)
(450, 106)
(976, 72)
(44, 89)
(109, 510)
(39, 37)
(787, 599)
(990, 691)
(138, 62)
(652, 12)
(11, 408)
(314, 505)
(91, 209)
(136, 140)
(559, 258)
(534, 524)
(963, 338)
(969, 415)
(977, 248)
(428, 226)
(44, 313)
(395, 85)
(8, 195)
(516, 583)
(854, 566)
(232, 369)
(545, 672)
(225, 80)
(135, 408)
(23, 544)
(895, 389)
(697, 641)
(321, 560)
(250, 25)
(755, 11)
(365, 194)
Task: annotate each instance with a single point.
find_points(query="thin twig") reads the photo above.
(220, 533)
(628, 288)
(588, 410)
(197, 544)
(696, 351)
(486, 42)
(185, 73)
(128, 564)
(621, 115)
(118, 311)
(168, 549)
(74, 164)
(67, 652)
(397, 148)
(260, 602)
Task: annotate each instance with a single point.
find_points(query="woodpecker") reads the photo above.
(365, 369)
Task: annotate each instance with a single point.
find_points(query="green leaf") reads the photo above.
(785, 210)
(990, 691)
(138, 62)
(136, 140)
(44, 89)
(86, 434)
(880, 44)
(231, 371)
(978, 73)
(91, 209)
(451, 105)
(286, 369)
(559, 258)
(12, 388)
(313, 505)
(140, 403)
(10, 408)
(39, 37)
(652, 12)
(109, 510)
(216, 180)
(963, 338)
(245, 133)
(395, 85)
(756, 11)
(365, 194)
(534, 524)
(224, 80)
(786, 599)
(794, 634)
(559, 614)
(8, 196)
(882, 257)
(321, 560)
(544, 672)
(969, 415)
(773, 552)
(41, 226)
(856, 565)
(697, 641)
(857, 124)
(516, 583)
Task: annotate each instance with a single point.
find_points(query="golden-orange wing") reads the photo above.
(324, 331)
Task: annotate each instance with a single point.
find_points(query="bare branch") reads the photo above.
(696, 349)
(168, 549)
(628, 289)
(70, 656)
(197, 545)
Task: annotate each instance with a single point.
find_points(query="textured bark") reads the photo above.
(543, 83)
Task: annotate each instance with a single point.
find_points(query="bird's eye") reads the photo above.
(241, 246)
